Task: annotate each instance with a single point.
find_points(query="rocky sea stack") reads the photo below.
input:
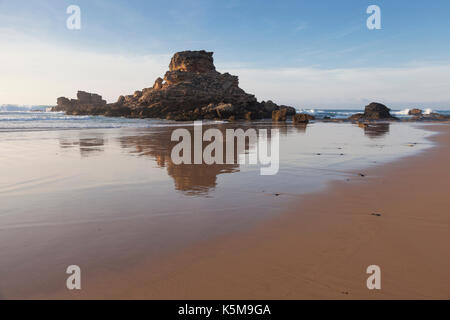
(192, 89)
(415, 112)
(374, 111)
(86, 103)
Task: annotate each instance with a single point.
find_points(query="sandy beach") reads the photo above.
(396, 217)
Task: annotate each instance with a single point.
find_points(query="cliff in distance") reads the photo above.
(192, 89)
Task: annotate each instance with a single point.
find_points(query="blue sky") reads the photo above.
(326, 42)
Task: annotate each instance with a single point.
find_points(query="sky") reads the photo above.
(308, 54)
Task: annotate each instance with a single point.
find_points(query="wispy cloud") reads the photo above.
(37, 73)
(350, 87)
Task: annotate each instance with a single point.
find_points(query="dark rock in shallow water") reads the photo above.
(429, 117)
(279, 115)
(302, 118)
(290, 111)
(415, 112)
(356, 117)
(192, 89)
(434, 117)
(374, 111)
(86, 103)
(377, 111)
(117, 111)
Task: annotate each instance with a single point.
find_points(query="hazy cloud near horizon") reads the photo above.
(36, 73)
(39, 73)
(412, 86)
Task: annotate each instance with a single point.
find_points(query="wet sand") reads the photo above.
(113, 202)
(321, 246)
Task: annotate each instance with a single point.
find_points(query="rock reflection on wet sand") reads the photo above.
(375, 130)
(88, 144)
(189, 178)
(155, 144)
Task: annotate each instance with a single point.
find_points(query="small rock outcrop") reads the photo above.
(86, 103)
(374, 111)
(279, 115)
(302, 118)
(419, 115)
(415, 112)
(433, 116)
(192, 89)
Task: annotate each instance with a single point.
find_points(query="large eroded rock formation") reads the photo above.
(192, 89)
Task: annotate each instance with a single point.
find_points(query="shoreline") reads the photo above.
(320, 248)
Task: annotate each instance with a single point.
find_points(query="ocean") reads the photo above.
(13, 118)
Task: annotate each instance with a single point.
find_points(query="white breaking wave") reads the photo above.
(23, 108)
(310, 111)
(28, 120)
(403, 112)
